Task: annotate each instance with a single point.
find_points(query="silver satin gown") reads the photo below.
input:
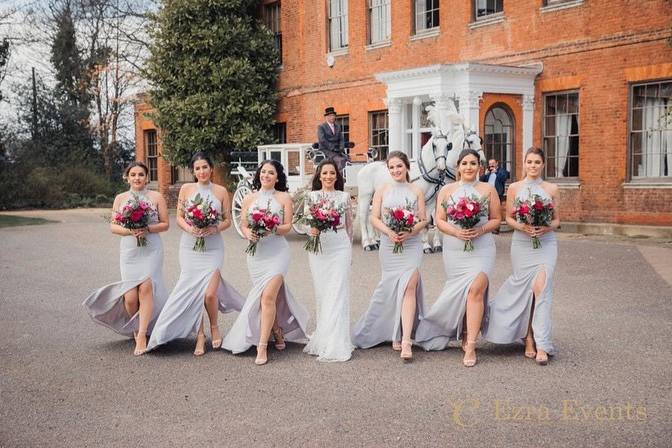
(508, 314)
(331, 280)
(445, 319)
(271, 259)
(184, 309)
(382, 320)
(106, 305)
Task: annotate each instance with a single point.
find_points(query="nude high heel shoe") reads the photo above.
(142, 337)
(216, 343)
(406, 350)
(261, 360)
(470, 345)
(200, 345)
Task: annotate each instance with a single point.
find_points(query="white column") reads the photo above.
(394, 129)
(528, 121)
(415, 126)
(470, 104)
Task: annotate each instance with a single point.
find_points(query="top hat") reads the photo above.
(329, 111)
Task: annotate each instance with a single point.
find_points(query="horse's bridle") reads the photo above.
(427, 174)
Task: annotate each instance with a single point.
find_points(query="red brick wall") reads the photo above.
(598, 48)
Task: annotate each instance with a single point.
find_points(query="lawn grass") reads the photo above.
(14, 221)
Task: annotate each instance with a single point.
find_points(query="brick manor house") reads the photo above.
(590, 81)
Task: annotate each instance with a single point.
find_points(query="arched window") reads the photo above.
(499, 137)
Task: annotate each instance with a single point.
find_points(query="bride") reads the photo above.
(331, 271)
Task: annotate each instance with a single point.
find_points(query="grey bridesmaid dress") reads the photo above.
(445, 319)
(382, 320)
(270, 260)
(182, 314)
(508, 314)
(106, 305)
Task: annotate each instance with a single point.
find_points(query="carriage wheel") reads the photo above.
(237, 205)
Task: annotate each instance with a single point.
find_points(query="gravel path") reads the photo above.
(66, 382)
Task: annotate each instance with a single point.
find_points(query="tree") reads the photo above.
(71, 88)
(213, 69)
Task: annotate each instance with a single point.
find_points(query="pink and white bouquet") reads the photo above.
(136, 214)
(261, 222)
(323, 214)
(535, 211)
(200, 213)
(466, 212)
(400, 219)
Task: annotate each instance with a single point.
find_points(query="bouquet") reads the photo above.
(535, 211)
(135, 214)
(323, 214)
(466, 213)
(261, 222)
(400, 219)
(200, 213)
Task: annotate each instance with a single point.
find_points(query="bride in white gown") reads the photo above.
(331, 272)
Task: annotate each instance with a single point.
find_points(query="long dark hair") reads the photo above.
(463, 154)
(317, 183)
(133, 165)
(200, 155)
(404, 158)
(280, 185)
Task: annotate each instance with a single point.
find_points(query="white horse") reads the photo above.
(432, 162)
(461, 139)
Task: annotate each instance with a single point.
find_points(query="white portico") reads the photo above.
(459, 86)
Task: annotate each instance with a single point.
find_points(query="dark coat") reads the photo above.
(500, 180)
(330, 141)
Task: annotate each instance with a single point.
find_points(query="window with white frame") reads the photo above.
(499, 137)
(338, 24)
(487, 8)
(561, 134)
(380, 20)
(426, 13)
(151, 154)
(651, 130)
(272, 21)
(378, 133)
(344, 122)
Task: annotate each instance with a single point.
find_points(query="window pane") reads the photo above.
(573, 103)
(550, 105)
(561, 104)
(637, 119)
(639, 94)
(549, 129)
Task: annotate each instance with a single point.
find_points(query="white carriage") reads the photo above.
(299, 161)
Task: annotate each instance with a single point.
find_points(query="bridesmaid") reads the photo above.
(464, 295)
(130, 307)
(270, 305)
(398, 296)
(331, 272)
(522, 306)
(200, 283)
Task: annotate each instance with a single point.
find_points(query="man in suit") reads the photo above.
(330, 139)
(496, 177)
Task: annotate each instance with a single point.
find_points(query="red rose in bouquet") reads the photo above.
(536, 211)
(135, 214)
(466, 212)
(400, 219)
(323, 214)
(262, 222)
(201, 213)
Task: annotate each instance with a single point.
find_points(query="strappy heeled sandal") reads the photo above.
(406, 350)
(396, 346)
(261, 360)
(278, 337)
(470, 362)
(216, 343)
(138, 351)
(541, 359)
(530, 354)
(200, 340)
